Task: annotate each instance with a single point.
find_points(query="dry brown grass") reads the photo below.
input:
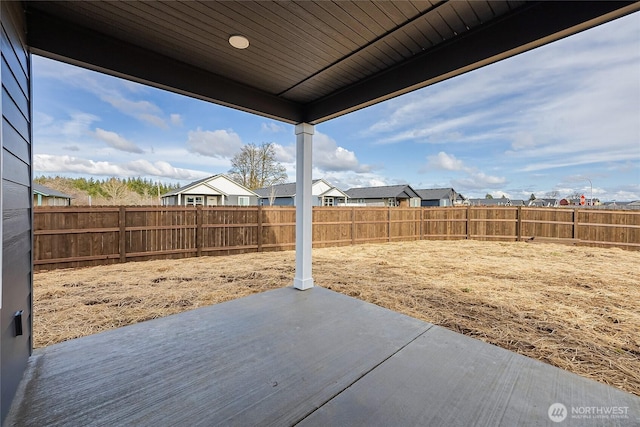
(572, 307)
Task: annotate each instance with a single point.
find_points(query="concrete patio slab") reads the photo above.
(287, 357)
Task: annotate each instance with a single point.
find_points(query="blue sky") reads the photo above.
(547, 120)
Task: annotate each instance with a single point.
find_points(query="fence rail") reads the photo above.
(84, 236)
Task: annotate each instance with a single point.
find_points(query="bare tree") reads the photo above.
(272, 195)
(255, 166)
(116, 191)
(574, 196)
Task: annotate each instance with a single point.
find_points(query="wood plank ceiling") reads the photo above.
(307, 60)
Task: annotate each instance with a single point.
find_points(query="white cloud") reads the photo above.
(46, 163)
(345, 180)
(624, 195)
(499, 194)
(114, 91)
(328, 156)
(61, 164)
(217, 143)
(43, 120)
(163, 169)
(481, 178)
(472, 179)
(285, 154)
(478, 181)
(77, 127)
(271, 127)
(176, 119)
(142, 110)
(116, 141)
(73, 132)
(436, 131)
(559, 158)
(444, 161)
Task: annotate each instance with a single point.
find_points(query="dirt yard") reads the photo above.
(573, 307)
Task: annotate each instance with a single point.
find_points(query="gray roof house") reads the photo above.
(544, 203)
(217, 190)
(491, 202)
(45, 196)
(324, 194)
(623, 205)
(439, 197)
(390, 195)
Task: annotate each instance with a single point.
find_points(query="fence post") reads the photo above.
(260, 228)
(421, 221)
(389, 224)
(469, 222)
(519, 225)
(199, 231)
(122, 224)
(575, 224)
(353, 226)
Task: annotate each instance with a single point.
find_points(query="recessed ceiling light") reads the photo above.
(238, 41)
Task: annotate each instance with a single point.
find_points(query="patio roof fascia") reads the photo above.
(510, 35)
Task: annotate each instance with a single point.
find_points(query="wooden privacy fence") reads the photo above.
(83, 236)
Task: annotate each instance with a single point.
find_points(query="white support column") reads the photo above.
(304, 213)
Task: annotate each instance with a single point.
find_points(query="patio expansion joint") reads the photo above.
(364, 374)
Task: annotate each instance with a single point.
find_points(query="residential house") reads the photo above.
(217, 190)
(622, 205)
(544, 203)
(45, 196)
(391, 195)
(324, 194)
(502, 201)
(439, 197)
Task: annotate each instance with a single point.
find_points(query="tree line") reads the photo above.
(108, 191)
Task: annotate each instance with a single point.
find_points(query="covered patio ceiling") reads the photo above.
(307, 61)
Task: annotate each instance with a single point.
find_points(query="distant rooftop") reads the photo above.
(381, 192)
(50, 192)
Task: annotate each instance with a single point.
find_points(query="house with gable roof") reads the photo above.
(324, 194)
(500, 201)
(390, 195)
(216, 190)
(45, 196)
(439, 197)
(544, 203)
